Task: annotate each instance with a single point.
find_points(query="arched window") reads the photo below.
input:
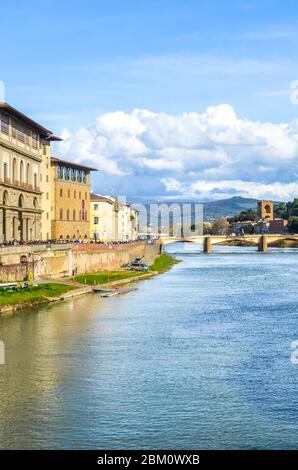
(67, 214)
(28, 174)
(74, 215)
(75, 194)
(14, 170)
(21, 201)
(61, 214)
(21, 171)
(61, 192)
(35, 203)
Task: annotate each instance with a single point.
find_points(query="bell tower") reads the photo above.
(266, 210)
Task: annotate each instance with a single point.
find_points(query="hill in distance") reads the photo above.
(220, 208)
(228, 207)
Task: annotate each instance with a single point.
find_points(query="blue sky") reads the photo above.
(66, 63)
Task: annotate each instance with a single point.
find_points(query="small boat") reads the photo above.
(102, 289)
(114, 292)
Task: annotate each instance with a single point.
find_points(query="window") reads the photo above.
(21, 134)
(14, 170)
(69, 193)
(66, 173)
(47, 195)
(4, 124)
(28, 174)
(75, 194)
(61, 214)
(5, 174)
(96, 207)
(85, 195)
(48, 216)
(67, 214)
(47, 178)
(35, 180)
(14, 130)
(21, 171)
(74, 215)
(59, 171)
(80, 195)
(34, 140)
(61, 192)
(95, 220)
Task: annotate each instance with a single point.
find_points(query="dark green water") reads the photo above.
(196, 358)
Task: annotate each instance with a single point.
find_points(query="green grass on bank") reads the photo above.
(163, 263)
(33, 294)
(105, 276)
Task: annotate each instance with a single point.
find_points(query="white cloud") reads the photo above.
(207, 155)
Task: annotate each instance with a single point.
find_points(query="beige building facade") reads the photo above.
(112, 220)
(103, 217)
(24, 177)
(70, 200)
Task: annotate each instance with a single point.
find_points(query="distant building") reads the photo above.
(70, 206)
(112, 219)
(266, 210)
(239, 228)
(102, 218)
(278, 226)
(25, 189)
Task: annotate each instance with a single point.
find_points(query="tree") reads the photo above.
(220, 227)
(207, 228)
(248, 215)
(293, 224)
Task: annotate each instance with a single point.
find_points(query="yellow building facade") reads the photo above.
(70, 200)
(24, 177)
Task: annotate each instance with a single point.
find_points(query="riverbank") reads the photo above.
(79, 285)
(32, 296)
(237, 242)
(284, 243)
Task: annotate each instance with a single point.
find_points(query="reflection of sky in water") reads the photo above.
(196, 358)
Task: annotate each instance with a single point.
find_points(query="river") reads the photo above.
(198, 357)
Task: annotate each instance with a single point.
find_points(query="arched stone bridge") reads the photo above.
(209, 240)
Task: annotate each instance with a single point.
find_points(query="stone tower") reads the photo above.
(266, 210)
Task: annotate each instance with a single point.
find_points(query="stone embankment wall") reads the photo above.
(58, 261)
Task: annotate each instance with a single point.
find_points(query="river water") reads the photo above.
(196, 358)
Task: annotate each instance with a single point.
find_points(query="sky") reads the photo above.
(168, 99)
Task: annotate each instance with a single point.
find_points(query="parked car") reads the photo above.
(139, 266)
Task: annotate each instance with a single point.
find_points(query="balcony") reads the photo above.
(17, 184)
